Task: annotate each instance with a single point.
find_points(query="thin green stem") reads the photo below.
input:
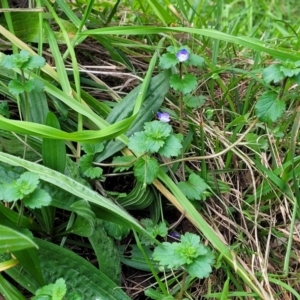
(203, 162)
(69, 225)
(180, 296)
(20, 214)
(283, 87)
(181, 118)
(161, 285)
(180, 102)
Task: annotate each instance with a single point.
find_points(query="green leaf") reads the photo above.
(194, 101)
(133, 257)
(171, 146)
(165, 254)
(12, 240)
(194, 187)
(10, 192)
(79, 274)
(16, 60)
(195, 60)
(190, 253)
(8, 289)
(153, 144)
(27, 183)
(54, 151)
(38, 85)
(92, 149)
(123, 160)
(37, 199)
(157, 129)
(85, 222)
(107, 253)
(185, 85)
(155, 230)
(35, 62)
(290, 68)
(269, 108)
(273, 73)
(146, 169)
(56, 291)
(202, 265)
(59, 289)
(256, 142)
(137, 143)
(16, 87)
(87, 169)
(4, 109)
(152, 139)
(190, 247)
(168, 60)
(155, 96)
(115, 231)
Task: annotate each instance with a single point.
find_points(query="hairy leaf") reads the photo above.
(92, 148)
(190, 253)
(16, 60)
(137, 142)
(27, 182)
(202, 265)
(185, 85)
(195, 60)
(157, 129)
(146, 169)
(37, 199)
(194, 187)
(155, 230)
(171, 146)
(269, 108)
(17, 87)
(87, 169)
(168, 60)
(194, 101)
(273, 73)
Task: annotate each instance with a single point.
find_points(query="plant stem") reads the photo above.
(181, 118)
(180, 296)
(203, 162)
(284, 82)
(161, 285)
(26, 117)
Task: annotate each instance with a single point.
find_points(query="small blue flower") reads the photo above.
(163, 117)
(182, 55)
(175, 235)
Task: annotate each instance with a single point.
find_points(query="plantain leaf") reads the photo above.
(13, 240)
(81, 277)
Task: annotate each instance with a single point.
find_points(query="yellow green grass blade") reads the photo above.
(184, 205)
(251, 43)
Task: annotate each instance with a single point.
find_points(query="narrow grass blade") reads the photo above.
(54, 151)
(74, 188)
(250, 43)
(185, 206)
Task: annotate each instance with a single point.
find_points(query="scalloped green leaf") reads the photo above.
(269, 108)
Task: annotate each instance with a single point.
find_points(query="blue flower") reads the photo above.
(182, 55)
(175, 235)
(163, 117)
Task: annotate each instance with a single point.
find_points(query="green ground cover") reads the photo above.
(149, 149)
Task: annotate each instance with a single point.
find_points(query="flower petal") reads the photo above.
(163, 117)
(182, 55)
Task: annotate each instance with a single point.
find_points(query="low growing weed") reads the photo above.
(191, 125)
